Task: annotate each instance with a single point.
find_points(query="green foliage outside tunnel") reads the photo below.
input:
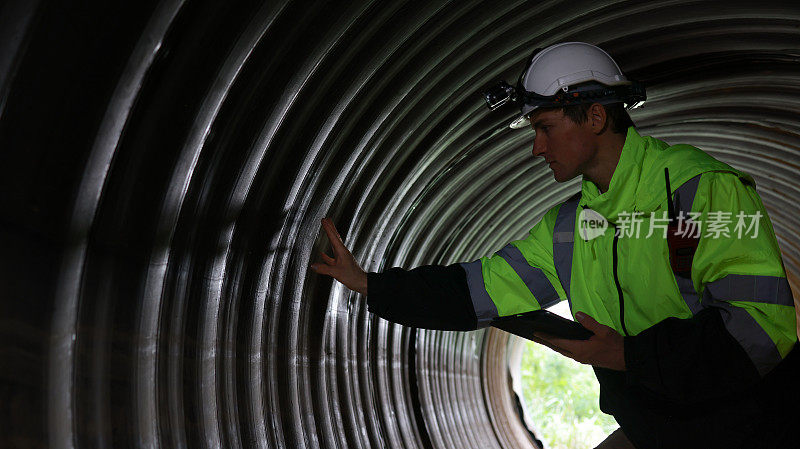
(561, 397)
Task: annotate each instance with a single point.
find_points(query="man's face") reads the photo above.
(566, 146)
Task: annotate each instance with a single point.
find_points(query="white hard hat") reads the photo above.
(549, 76)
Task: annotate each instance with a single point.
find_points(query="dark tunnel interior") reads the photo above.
(164, 167)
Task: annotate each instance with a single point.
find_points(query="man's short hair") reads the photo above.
(616, 114)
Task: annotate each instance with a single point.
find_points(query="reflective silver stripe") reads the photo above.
(562, 246)
(740, 324)
(742, 287)
(533, 277)
(684, 195)
(485, 310)
(751, 336)
(564, 237)
(690, 296)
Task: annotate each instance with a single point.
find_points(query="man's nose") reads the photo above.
(539, 146)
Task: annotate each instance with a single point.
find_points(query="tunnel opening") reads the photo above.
(559, 397)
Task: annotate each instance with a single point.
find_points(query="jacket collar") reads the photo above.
(622, 190)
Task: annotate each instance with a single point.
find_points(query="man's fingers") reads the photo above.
(557, 344)
(545, 340)
(330, 230)
(327, 259)
(555, 348)
(590, 323)
(333, 235)
(587, 321)
(320, 268)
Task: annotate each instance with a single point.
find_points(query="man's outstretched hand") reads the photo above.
(342, 266)
(606, 348)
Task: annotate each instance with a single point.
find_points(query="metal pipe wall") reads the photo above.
(164, 167)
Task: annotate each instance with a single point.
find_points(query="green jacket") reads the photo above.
(709, 358)
(740, 274)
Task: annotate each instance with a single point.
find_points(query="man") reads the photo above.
(694, 328)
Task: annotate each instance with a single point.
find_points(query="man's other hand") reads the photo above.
(605, 349)
(342, 266)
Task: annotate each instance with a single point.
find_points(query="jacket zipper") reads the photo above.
(619, 289)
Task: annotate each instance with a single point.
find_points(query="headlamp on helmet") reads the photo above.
(566, 74)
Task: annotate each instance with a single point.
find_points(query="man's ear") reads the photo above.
(598, 118)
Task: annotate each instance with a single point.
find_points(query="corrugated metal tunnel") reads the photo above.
(165, 166)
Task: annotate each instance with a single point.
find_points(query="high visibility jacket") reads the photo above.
(625, 281)
(703, 353)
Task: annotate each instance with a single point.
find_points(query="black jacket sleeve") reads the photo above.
(689, 360)
(430, 296)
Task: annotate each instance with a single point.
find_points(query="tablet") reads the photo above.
(525, 324)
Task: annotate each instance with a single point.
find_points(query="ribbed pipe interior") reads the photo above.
(164, 167)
